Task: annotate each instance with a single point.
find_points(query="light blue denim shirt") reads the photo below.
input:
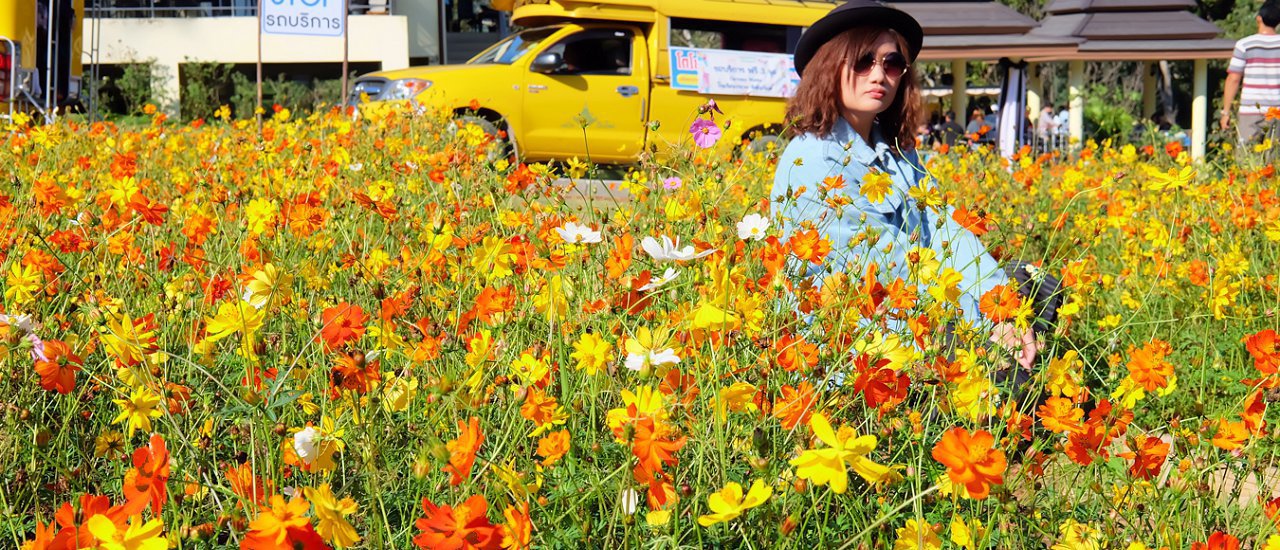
(809, 159)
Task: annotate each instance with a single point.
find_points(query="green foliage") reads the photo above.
(1106, 118)
(136, 86)
(205, 87)
(297, 96)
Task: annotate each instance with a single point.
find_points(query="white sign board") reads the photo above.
(304, 17)
(733, 72)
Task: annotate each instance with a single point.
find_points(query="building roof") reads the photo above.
(1131, 30)
(979, 29)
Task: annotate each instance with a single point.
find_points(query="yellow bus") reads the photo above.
(40, 49)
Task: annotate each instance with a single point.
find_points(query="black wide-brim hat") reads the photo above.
(852, 14)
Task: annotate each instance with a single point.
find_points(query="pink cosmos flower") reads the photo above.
(705, 132)
(673, 182)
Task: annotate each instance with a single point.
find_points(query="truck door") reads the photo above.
(592, 102)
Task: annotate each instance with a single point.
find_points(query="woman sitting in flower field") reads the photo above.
(852, 184)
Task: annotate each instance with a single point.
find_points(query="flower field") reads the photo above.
(371, 334)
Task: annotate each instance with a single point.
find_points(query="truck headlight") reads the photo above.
(406, 88)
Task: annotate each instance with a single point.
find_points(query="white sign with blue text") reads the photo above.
(733, 72)
(304, 17)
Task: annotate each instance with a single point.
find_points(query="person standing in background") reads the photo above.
(1255, 71)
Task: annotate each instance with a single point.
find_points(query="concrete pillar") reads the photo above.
(1035, 91)
(1149, 86)
(167, 87)
(959, 91)
(1075, 91)
(1199, 108)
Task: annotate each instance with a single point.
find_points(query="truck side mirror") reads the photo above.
(547, 63)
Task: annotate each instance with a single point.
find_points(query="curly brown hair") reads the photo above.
(817, 105)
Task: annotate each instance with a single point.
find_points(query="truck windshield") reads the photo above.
(512, 47)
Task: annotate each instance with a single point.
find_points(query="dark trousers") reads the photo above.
(1046, 297)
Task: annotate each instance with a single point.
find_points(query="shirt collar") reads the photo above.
(859, 149)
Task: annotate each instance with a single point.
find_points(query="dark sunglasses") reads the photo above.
(894, 64)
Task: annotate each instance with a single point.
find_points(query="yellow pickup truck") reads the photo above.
(606, 80)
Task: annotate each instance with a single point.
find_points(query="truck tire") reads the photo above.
(502, 145)
(761, 138)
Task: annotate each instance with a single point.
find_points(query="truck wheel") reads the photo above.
(502, 145)
(762, 138)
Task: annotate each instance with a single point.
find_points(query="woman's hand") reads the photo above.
(1022, 341)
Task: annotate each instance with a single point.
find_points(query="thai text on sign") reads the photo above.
(303, 17)
(731, 72)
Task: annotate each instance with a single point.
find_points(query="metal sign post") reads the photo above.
(257, 111)
(346, 18)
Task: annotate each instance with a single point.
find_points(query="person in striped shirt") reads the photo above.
(1255, 71)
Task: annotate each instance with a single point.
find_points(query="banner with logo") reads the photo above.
(731, 72)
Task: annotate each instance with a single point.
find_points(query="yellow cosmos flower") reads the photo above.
(233, 317)
(730, 503)
(917, 536)
(138, 536)
(876, 185)
(967, 535)
(1078, 536)
(138, 410)
(260, 214)
(21, 284)
(827, 466)
(528, 370)
(592, 353)
(736, 398)
(331, 516)
(494, 258)
(268, 286)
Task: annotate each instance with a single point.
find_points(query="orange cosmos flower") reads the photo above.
(146, 481)
(1148, 455)
(653, 450)
(463, 527)
(341, 324)
(971, 460)
(283, 526)
(1147, 366)
(248, 487)
(1266, 354)
(1218, 541)
(975, 222)
(879, 384)
(795, 353)
(553, 446)
(1255, 407)
(517, 533)
(796, 405)
(353, 372)
(810, 246)
(462, 451)
(1230, 435)
(1272, 509)
(58, 369)
(1001, 303)
(1059, 414)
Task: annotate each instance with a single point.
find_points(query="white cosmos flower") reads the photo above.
(668, 250)
(667, 276)
(573, 233)
(306, 444)
(658, 358)
(752, 227)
